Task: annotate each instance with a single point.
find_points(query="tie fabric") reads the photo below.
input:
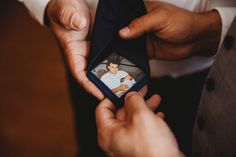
(133, 68)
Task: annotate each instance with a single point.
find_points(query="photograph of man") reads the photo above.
(117, 80)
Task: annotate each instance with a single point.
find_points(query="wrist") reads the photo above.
(209, 33)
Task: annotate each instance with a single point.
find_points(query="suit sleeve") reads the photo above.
(36, 8)
(227, 11)
(227, 16)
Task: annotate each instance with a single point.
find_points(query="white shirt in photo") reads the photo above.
(114, 80)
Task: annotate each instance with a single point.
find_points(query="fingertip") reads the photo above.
(130, 94)
(133, 101)
(106, 103)
(125, 33)
(104, 113)
(100, 95)
(153, 102)
(103, 106)
(157, 97)
(92, 89)
(161, 115)
(96, 92)
(143, 91)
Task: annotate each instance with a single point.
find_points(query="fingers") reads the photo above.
(89, 86)
(136, 110)
(155, 20)
(105, 113)
(137, 27)
(153, 102)
(160, 115)
(135, 107)
(76, 56)
(72, 16)
(120, 114)
(143, 91)
(70, 19)
(92, 89)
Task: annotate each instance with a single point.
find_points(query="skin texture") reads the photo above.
(70, 21)
(175, 33)
(135, 130)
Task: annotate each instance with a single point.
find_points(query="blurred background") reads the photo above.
(36, 116)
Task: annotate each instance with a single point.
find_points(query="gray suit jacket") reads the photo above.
(214, 133)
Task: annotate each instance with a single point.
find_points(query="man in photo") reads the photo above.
(117, 80)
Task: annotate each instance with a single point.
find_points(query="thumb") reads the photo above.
(135, 107)
(105, 114)
(72, 19)
(138, 27)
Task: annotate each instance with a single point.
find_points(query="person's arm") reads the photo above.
(135, 130)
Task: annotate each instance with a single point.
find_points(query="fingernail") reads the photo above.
(125, 31)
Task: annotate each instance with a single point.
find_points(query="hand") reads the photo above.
(123, 87)
(135, 130)
(70, 23)
(175, 33)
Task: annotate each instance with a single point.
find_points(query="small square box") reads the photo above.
(116, 75)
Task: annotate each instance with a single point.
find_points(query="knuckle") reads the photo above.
(66, 14)
(69, 16)
(136, 23)
(63, 15)
(51, 8)
(164, 13)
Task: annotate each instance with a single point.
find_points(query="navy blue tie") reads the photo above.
(111, 16)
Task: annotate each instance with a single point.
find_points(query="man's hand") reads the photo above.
(175, 33)
(70, 23)
(134, 130)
